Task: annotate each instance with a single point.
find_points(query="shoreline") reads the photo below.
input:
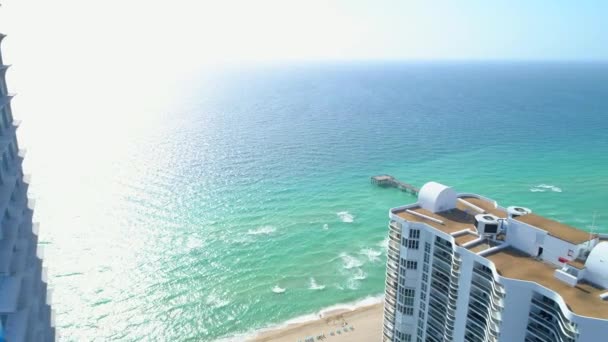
(357, 321)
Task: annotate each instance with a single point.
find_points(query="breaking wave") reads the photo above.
(345, 216)
(278, 289)
(359, 275)
(314, 285)
(371, 254)
(349, 261)
(384, 243)
(545, 188)
(265, 230)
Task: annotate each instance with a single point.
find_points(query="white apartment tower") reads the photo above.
(462, 268)
(25, 313)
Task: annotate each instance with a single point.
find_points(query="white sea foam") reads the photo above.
(262, 230)
(384, 243)
(314, 285)
(326, 226)
(349, 261)
(345, 216)
(371, 254)
(352, 284)
(545, 187)
(359, 274)
(278, 289)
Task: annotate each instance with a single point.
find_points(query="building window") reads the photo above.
(425, 268)
(427, 247)
(409, 243)
(411, 265)
(412, 244)
(423, 296)
(414, 234)
(406, 297)
(402, 281)
(427, 257)
(402, 272)
(403, 337)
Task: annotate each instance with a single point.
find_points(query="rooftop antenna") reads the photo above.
(592, 230)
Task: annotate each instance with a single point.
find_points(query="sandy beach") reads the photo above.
(361, 324)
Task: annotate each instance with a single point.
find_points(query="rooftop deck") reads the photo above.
(459, 218)
(464, 238)
(556, 229)
(583, 299)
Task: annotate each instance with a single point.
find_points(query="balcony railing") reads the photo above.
(549, 324)
(551, 309)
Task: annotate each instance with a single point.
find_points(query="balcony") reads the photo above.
(10, 288)
(445, 259)
(392, 266)
(394, 247)
(552, 309)
(394, 236)
(392, 257)
(552, 326)
(540, 332)
(16, 326)
(391, 284)
(390, 301)
(395, 226)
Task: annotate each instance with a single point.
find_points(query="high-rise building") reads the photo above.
(25, 313)
(462, 268)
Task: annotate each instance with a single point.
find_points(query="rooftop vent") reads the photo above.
(487, 224)
(517, 211)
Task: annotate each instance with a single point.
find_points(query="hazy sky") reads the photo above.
(118, 52)
(189, 32)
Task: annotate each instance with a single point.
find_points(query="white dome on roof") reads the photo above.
(436, 197)
(596, 266)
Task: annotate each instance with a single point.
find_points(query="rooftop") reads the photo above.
(583, 299)
(453, 220)
(556, 229)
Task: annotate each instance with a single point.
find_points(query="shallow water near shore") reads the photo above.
(243, 200)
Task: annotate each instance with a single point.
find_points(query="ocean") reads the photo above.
(236, 199)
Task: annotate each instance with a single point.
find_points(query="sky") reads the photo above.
(191, 32)
(119, 52)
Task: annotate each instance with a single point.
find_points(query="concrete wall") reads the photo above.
(555, 248)
(524, 237)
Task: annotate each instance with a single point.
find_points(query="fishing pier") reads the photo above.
(390, 181)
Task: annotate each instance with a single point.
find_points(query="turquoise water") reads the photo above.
(174, 215)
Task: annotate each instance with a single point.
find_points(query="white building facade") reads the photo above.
(462, 268)
(25, 312)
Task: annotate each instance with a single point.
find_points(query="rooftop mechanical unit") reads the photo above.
(487, 224)
(517, 211)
